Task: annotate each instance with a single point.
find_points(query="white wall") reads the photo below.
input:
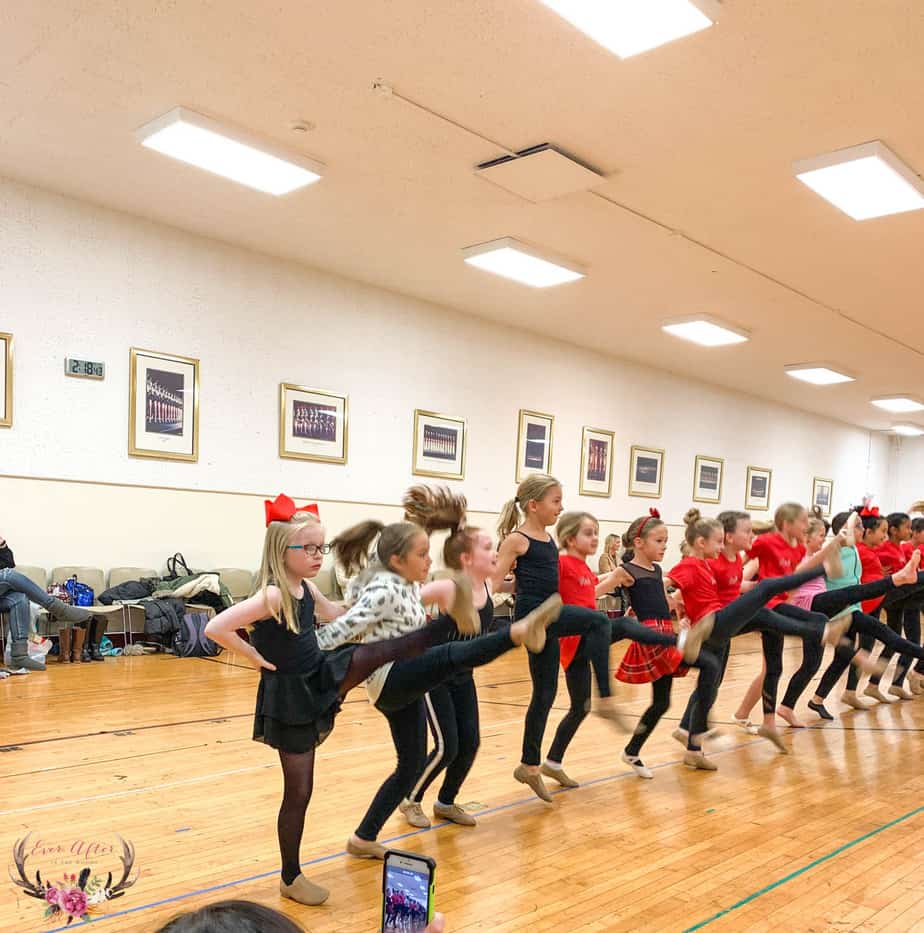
(86, 282)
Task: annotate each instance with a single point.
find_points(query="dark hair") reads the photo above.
(729, 520)
(817, 515)
(435, 508)
(232, 917)
(640, 528)
(870, 522)
(917, 525)
(897, 519)
(839, 521)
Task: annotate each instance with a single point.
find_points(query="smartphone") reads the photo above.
(407, 892)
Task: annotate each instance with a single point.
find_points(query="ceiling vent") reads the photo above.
(540, 173)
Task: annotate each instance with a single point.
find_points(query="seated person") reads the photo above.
(16, 592)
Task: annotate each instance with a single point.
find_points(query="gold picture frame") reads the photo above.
(823, 495)
(439, 445)
(757, 489)
(596, 477)
(642, 460)
(708, 475)
(162, 424)
(534, 443)
(314, 424)
(6, 380)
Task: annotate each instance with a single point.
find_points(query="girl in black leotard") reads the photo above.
(527, 544)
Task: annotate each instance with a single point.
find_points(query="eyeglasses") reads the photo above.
(312, 550)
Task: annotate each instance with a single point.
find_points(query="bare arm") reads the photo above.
(613, 579)
(512, 547)
(378, 602)
(224, 627)
(324, 608)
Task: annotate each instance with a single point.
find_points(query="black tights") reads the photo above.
(902, 616)
(660, 703)
(298, 767)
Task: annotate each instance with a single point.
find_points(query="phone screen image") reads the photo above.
(405, 897)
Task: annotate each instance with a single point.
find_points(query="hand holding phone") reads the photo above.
(407, 892)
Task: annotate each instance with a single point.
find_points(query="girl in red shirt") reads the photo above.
(578, 534)
(695, 577)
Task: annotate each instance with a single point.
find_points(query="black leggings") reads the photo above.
(401, 700)
(543, 667)
(577, 679)
(452, 712)
(660, 703)
(901, 616)
(861, 625)
(298, 767)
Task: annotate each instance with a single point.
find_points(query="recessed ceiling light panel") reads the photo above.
(201, 141)
(898, 403)
(907, 430)
(628, 27)
(863, 181)
(817, 374)
(705, 331)
(527, 265)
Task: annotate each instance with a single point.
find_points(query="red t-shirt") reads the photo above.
(891, 556)
(776, 558)
(871, 571)
(697, 583)
(728, 574)
(577, 584)
(908, 548)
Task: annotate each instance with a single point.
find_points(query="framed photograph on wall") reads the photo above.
(163, 408)
(707, 479)
(823, 494)
(757, 489)
(534, 443)
(6, 380)
(596, 462)
(313, 424)
(646, 471)
(439, 445)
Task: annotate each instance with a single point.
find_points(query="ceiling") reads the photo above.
(700, 211)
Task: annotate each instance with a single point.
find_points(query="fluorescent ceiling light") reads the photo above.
(627, 27)
(863, 181)
(515, 260)
(898, 403)
(207, 144)
(818, 374)
(706, 331)
(907, 430)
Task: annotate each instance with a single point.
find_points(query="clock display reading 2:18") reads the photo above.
(84, 369)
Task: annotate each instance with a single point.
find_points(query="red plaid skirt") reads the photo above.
(643, 664)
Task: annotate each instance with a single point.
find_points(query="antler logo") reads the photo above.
(75, 895)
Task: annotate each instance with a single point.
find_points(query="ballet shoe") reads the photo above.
(916, 680)
(837, 628)
(364, 848)
(696, 635)
(304, 891)
(635, 763)
(771, 735)
(908, 575)
(865, 662)
(413, 813)
(874, 693)
(558, 775)
(821, 709)
(533, 779)
(789, 717)
(850, 698)
(697, 761)
(453, 813)
(900, 691)
(681, 736)
(463, 611)
(746, 724)
(606, 709)
(538, 621)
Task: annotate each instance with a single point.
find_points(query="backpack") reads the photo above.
(191, 641)
(80, 593)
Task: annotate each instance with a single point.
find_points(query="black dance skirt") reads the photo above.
(295, 712)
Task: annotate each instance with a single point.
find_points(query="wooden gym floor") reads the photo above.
(158, 750)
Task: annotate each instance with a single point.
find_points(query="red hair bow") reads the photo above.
(652, 513)
(869, 512)
(282, 508)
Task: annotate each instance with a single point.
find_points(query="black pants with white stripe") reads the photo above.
(452, 712)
